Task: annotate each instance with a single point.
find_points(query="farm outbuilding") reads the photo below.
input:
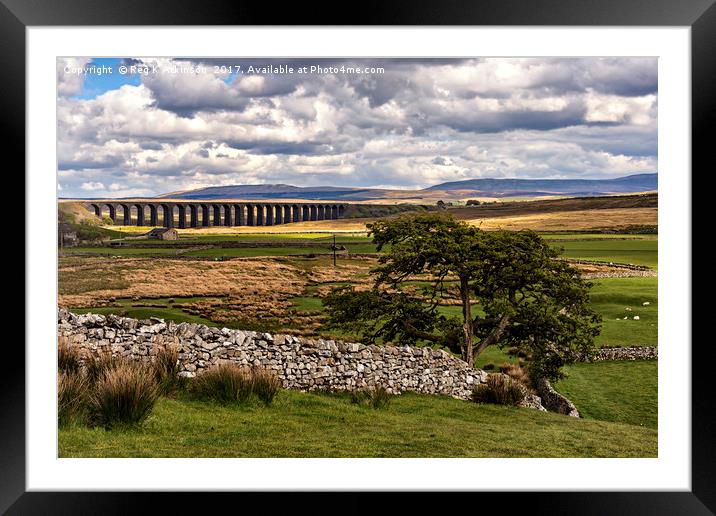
(163, 234)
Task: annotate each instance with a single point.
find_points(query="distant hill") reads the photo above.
(278, 191)
(512, 187)
(455, 189)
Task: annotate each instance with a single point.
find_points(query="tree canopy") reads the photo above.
(511, 287)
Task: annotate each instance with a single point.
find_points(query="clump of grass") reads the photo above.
(499, 390)
(68, 359)
(124, 395)
(517, 373)
(96, 368)
(166, 369)
(72, 389)
(376, 398)
(224, 383)
(265, 385)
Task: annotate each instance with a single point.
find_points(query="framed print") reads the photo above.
(416, 252)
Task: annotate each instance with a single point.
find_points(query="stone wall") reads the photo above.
(302, 364)
(554, 401)
(637, 353)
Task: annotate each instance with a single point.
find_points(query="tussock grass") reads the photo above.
(224, 383)
(516, 372)
(233, 384)
(166, 369)
(375, 398)
(265, 385)
(96, 367)
(124, 395)
(499, 389)
(68, 359)
(72, 390)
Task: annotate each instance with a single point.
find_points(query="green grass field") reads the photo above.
(620, 391)
(611, 296)
(550, 236)
(256, 251)
(121, 251)
(161, 307)
(618, 400)
(320, 425)
(633, 251)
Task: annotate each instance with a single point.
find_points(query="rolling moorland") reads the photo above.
(274, 278)
(482, 189)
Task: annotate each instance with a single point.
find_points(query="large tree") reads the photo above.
(511, 287)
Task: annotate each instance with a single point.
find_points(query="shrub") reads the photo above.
(166, 369)
(499, 390)
(513, 351)
(72, 389)
(376, 398)
(124, 394)
(225, 383)
(68, 359)
(265, 385)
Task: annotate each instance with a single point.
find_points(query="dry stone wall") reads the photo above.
(635, 353)
(554, 401)
(302, 364)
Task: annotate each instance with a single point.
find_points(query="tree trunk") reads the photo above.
(467, 321)
(494, 335)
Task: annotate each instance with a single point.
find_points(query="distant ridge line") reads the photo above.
(485, 187)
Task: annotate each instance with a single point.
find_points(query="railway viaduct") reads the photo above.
(192, 214)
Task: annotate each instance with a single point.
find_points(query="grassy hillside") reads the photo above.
(621, 391)
(87, 225)
(75, 213)
(328, 425)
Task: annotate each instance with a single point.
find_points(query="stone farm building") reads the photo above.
(163, 234)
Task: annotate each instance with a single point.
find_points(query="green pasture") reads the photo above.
(633, 251)
(328, 425)
(618, 391)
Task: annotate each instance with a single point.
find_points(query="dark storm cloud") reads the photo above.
(100, 163)
(267, 147)
(605, 75)
(496, 122)
(439, 160)
(150, 146)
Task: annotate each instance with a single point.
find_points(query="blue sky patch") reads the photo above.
(100, 82)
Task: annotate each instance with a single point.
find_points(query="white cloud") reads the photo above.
(69, 81)
(421, 123)
(92, 186)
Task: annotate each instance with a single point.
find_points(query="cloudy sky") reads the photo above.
(176, 124)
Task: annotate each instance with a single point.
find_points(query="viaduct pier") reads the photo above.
(193, 214)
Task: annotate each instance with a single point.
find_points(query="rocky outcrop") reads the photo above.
(300, 363)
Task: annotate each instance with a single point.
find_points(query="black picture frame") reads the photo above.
(700, 15)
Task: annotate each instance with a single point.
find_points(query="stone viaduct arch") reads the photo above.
(183, 214)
